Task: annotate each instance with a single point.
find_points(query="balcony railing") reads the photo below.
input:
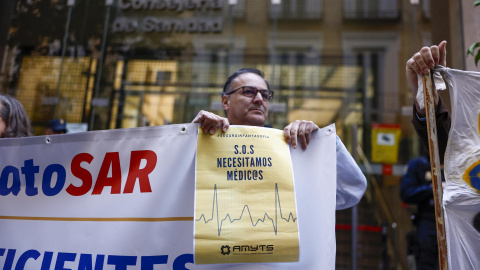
(371, 9)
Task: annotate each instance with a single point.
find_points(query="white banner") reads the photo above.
(124, 199)
(461, 196)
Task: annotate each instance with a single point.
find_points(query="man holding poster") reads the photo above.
(269, 228)
(245, 99)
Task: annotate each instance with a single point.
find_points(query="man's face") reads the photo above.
(242, 110)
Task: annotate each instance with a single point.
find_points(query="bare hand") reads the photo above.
(301, 130)
(421, 63)
(210, 122)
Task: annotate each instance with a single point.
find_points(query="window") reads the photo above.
(297, 9)
(426, 9)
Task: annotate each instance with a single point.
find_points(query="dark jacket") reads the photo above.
(443, 127)
(416, 187)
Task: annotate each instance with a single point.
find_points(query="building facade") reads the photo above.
(130, 63)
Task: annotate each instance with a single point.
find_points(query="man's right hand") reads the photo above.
(421, 63)
(210, 122)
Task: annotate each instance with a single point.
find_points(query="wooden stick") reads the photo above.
(436, 169)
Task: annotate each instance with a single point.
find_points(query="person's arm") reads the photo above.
(420, 64)
(351, 182)
(443, 119)
(412, 189)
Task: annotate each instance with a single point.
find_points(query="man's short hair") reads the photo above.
(240, 72)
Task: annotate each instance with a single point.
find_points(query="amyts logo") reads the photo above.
(225, 250)
(247, 249)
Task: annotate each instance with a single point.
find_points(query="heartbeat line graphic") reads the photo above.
(278, 207)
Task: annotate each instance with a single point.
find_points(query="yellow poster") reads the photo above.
(245, 207)
(385, 143)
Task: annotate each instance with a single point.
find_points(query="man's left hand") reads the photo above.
(301, 130)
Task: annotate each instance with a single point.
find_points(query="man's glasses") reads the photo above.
(251, 92)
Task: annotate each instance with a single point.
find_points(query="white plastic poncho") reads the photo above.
(461, 197)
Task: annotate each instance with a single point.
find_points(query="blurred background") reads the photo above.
(130, 63)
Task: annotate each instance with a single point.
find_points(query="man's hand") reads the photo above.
(421, 63)
(301, 130)
(210, 122)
